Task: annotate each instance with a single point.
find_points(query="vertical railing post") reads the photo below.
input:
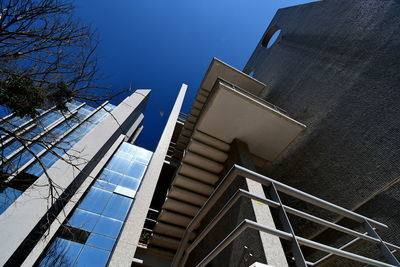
(284, 219)
(385, 250)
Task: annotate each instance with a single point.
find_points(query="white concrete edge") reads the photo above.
(124, 252)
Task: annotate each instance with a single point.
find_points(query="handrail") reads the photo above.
(248, 224)
(306, 197)
(184, 250)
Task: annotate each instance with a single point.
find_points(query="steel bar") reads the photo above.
(245, 224)
(385, 250)
(306, 197)
(284, 219)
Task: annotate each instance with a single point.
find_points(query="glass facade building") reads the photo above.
(89, 234)
(103, 184)
(47, 137)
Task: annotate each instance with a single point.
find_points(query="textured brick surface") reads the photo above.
(335, 68)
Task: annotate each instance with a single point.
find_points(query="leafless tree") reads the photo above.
(47, 58)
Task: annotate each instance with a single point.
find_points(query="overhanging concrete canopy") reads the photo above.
(219, 69)
(231, 112)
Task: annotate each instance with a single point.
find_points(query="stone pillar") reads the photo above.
(264, 248)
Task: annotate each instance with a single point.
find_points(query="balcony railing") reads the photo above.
(287, 233)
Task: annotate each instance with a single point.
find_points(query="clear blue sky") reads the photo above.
(160, 44)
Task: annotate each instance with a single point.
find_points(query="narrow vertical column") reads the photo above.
(125, 249)
(270, 245)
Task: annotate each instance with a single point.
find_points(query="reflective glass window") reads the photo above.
(129, 183)
(83, 219)
(48, 159)
(118, 164)
(117, 207)
(36, 148)
(124, 155)
(100, 241)
(92, 257)
(111, 177)
(95, 200)
(104, 185)
(143, 156)
(35, 169)
(61, 253)
(127, 148)
(22, 158)
(108, 226)
(7, 197)
(135, 170)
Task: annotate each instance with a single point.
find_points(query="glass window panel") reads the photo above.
(104, 185)
(124, 155)
(118, 207)
(35, 169)
(111, 177)
(109, 107)
(129, 183)
(36, 148)
(143, 156)
(108, 226)
(9, 149)
(92, 257)
(135, 170)
(100, 241)
(61, 253)
(7, 197)
(95, 200)
(22, 158)
(118, 164)
(83, 220)
(48, 159)
(127, 148)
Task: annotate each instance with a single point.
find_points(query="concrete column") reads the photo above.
(263, 248)
(271, 245)
(127, 243)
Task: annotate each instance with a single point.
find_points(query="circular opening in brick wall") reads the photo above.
(271, 37)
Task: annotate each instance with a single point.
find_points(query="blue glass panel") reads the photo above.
(135, 170)
(118, 164)
(100, 241)
(33, 132)
(61, 253)
(124, 155)
(35, 169)
(99, 116)
(9, 149)
(111, 177)
(127, 148)
(92, 257)
(104, 185)
(143, 156)
(108, 226)
(109, 107)
(48, 159)
(19, 160)
(7, 197)
(118, 207)
(83, 220)
(95, 200)
(49, 118)
(36, 148)
(129, 183)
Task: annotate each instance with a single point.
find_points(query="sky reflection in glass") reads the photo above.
(103, 210)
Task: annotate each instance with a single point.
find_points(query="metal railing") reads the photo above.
(276, 187)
